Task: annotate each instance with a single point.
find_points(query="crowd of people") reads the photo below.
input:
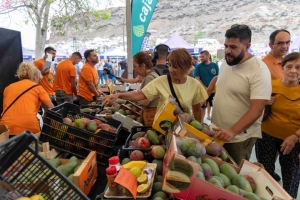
(239, 92)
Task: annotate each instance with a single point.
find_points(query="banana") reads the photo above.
(131, 164)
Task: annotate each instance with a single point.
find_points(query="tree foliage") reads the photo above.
(47, 14)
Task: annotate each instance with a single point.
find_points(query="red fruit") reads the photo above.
(67, 121)
(98, 122)
(143, 143)
(104, 127)
(136, 155)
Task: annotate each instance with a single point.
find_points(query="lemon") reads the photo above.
(136, 171)
(142, 179)
(143, 188)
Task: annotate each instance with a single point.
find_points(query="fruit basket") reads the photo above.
(24, 173)
(70, 135)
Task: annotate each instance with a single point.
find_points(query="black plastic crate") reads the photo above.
(134, 130)
(74, 140)
(23, 172)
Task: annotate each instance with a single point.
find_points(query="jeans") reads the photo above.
(121, 72)
(101, 77)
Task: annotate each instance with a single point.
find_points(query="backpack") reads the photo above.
(161, 70)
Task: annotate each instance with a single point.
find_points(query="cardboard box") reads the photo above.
(86, 175)
(164, 117)
(127, 121)
(4, 133)
(47, 153)
(267, 187)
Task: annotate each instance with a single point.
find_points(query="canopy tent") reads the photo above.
(175, 41)
(27, 55)
(61, 54)
(82, 51)
(114, 54)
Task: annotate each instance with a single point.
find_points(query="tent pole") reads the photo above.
(129, 42)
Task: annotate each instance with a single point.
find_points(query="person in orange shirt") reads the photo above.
(21, 114)
(47, 80)
(280, 41)
(64, 84)
(88, 79)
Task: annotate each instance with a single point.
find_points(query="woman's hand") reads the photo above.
(271, 101)
(288, 144)
(110, 99)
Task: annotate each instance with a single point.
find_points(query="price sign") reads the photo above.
(127, 180)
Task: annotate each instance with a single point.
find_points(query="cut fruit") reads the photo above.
(142, 179)
(136, 171)
(143, 188)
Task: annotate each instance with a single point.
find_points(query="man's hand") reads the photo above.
(271, 101)
(224, 134)
(288, 144)
(45, 72)
(109, 99)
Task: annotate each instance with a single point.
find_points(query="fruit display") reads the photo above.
(35, 197)
(94, 125)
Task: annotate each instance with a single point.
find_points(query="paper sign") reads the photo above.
(127, 180)
(48, 61)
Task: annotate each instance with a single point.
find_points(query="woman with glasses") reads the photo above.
(190, 93)
(22, 100)
(281, 128)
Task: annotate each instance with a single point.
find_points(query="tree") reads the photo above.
(198, 36)
(44, 14)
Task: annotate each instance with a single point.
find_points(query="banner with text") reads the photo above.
(141, 14)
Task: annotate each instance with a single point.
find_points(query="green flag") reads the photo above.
(141, 14)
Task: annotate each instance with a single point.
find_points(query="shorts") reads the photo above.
(82, 101)
(209, 100)
(62, 97)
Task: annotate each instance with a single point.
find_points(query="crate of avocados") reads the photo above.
(24, 173)
(67, 129)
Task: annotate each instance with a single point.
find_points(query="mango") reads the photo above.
(112, 109)
(73, 159)
(192, 158)
(196, 124)
(207, 171)
(223, 156)
(227, 170)
(86, 110)
(241, 182)
(215, 181)
(158, 178)
(192, 147)
(213, 165)
(91, 126)
(200, 175)
(79, 123)
(199, 161)
(234, 189)
(158, 167)
(160, 194)
(185, 117)
(220, 179)
(177, 111)
(251, 181)
(67, 121)
(55, 162)
(158, 152)
(127, 112)
(125, 161)
(251, 196)
(138, 134)
(225, 179)
(153, 137)
(213, 149)
(157, 186)
(121, 111)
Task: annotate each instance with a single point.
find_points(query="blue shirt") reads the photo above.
(206, 72)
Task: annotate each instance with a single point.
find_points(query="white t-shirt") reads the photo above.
(100, 65)
(236, 86)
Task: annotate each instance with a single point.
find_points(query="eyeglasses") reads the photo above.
(242, 27)
(283, 43)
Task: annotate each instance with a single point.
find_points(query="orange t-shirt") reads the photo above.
(22, 115)
(274, 66)
(64, 71)
(47, 81)
(87, 73)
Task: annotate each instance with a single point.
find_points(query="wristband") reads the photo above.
(297, 134)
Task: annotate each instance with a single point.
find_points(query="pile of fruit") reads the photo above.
(68, 169)
(93, 125)
(143, 179)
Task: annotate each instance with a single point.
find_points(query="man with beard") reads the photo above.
(243, 88)
(88, 79)
(280, 41)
